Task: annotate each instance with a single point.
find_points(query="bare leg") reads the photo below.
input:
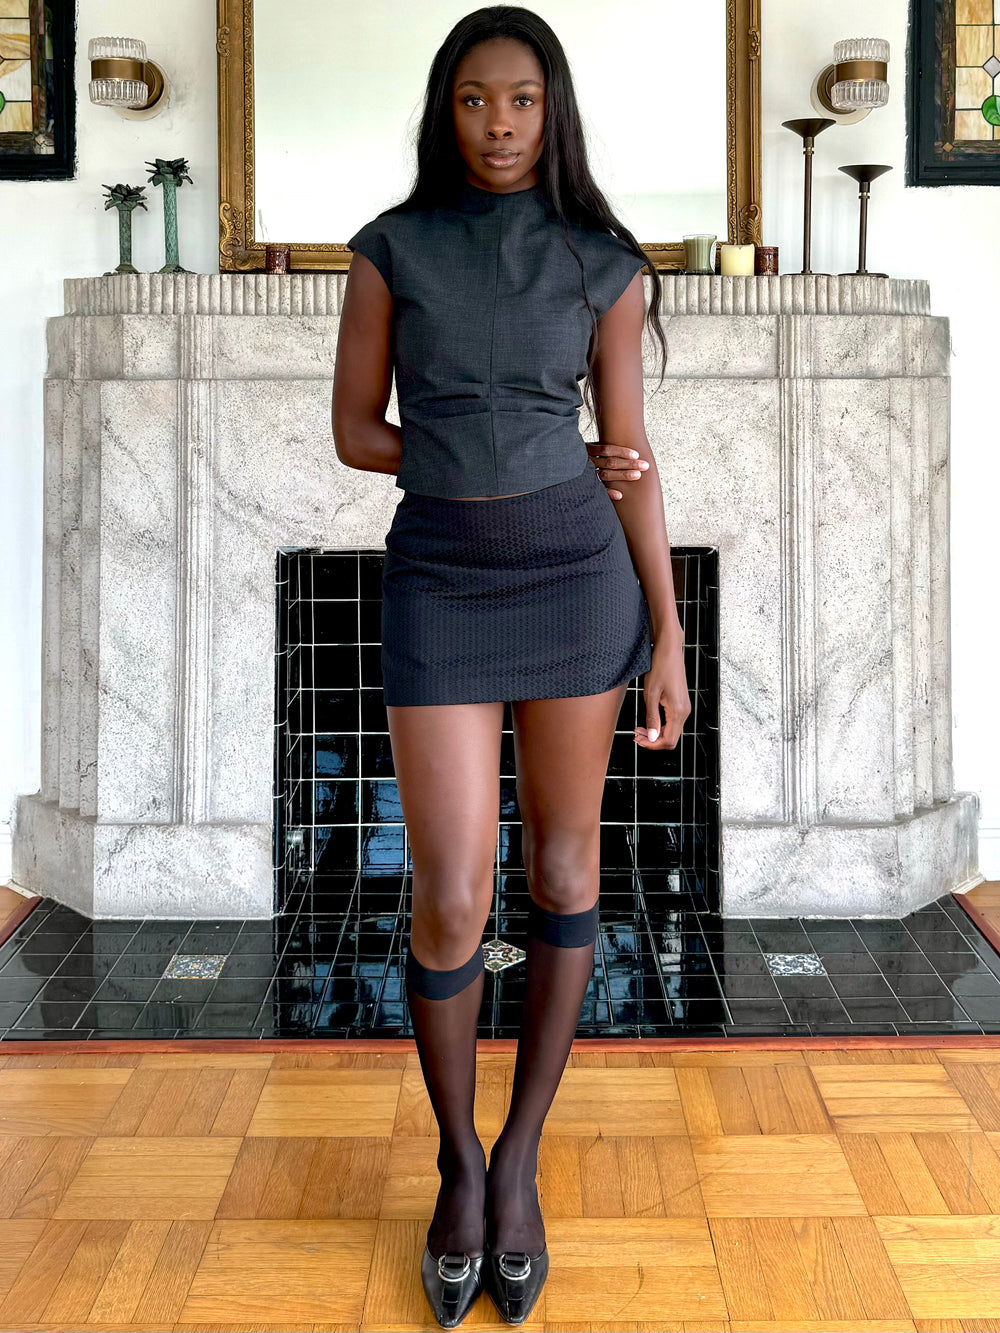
(447, 763)
(561, 748)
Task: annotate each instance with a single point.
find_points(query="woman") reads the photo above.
(509, 576)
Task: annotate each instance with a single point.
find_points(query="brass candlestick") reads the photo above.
(864, 175)
(807, 130)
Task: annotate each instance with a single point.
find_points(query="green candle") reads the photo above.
(698, 253)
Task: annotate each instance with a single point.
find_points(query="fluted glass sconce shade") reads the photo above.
(118, 92)
(123, 77)
(856, 83)
(859, 94)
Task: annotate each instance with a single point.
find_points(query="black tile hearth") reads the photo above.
(332, 966)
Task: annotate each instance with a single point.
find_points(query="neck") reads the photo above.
(478, 199)
(515, 189)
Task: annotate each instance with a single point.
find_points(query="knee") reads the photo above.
(563, 869)
(450, 910)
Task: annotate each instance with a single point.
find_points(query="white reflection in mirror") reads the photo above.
(339, 87)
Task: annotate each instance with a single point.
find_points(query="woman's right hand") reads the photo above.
(616, 463)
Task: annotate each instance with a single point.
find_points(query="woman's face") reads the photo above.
(499, 104)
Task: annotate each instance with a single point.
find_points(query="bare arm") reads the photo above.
(618, 397)
(362, 377)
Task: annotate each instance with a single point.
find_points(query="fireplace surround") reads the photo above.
(802, 431)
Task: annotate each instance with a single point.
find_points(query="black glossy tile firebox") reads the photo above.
(336, 806)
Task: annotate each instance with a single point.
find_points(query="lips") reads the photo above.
(500, 159)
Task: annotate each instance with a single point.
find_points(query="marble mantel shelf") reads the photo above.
(802, 430)
(320, 294)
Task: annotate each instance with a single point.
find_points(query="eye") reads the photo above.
(521, 97)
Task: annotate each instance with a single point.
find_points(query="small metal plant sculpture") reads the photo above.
(170, 174)
(125, 198)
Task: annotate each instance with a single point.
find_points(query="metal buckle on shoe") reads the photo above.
(443, 1264)
(519, 1276)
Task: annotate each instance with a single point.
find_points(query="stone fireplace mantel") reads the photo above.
(802, 430)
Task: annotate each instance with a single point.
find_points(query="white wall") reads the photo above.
(60, 229)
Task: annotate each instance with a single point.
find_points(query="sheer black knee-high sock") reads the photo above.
(444, 1006)
(559, 965)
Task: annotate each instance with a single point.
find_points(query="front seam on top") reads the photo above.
(493, 339)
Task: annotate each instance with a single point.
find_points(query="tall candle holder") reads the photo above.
(864, 174)
(807, 130)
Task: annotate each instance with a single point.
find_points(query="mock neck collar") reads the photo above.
(473, 199)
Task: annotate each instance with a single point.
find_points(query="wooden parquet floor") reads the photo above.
(737, 1189)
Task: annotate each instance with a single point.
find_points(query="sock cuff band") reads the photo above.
(568, 930)
(441, 983)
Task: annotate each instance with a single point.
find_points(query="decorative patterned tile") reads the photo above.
(500, 954)
(794, 964)
(196, 965)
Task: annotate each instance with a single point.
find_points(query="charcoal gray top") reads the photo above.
(490, 331)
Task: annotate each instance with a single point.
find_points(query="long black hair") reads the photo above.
(563, 170)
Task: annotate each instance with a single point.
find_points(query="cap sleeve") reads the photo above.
(615, 265)
(371, 241)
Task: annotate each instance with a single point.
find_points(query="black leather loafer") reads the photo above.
(514, 1280)
(451, 1284)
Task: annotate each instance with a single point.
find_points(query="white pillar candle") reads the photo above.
(736, 259)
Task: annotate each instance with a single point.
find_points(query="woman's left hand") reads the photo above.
(616, 463)
(665, 684)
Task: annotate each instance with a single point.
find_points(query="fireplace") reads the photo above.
(341, 857)
(801, 436)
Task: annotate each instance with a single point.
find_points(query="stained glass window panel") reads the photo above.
(972, 87)
(37, 97)
(977, 95)
(26, 77)
(15, 67)
(974, 44)
(974, 11)
(953, 92)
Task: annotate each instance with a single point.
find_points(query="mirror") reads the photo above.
(317, 129)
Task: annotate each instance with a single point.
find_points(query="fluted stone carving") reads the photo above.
(802, 429)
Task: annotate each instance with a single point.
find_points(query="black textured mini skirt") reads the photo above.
(530, 596)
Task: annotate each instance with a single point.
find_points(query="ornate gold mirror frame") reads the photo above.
(238, 250)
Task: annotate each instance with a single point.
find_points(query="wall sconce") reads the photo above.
(855, 83)
(121, 77)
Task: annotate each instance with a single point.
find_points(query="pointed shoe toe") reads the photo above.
(514, 1280)
(451, 1284)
